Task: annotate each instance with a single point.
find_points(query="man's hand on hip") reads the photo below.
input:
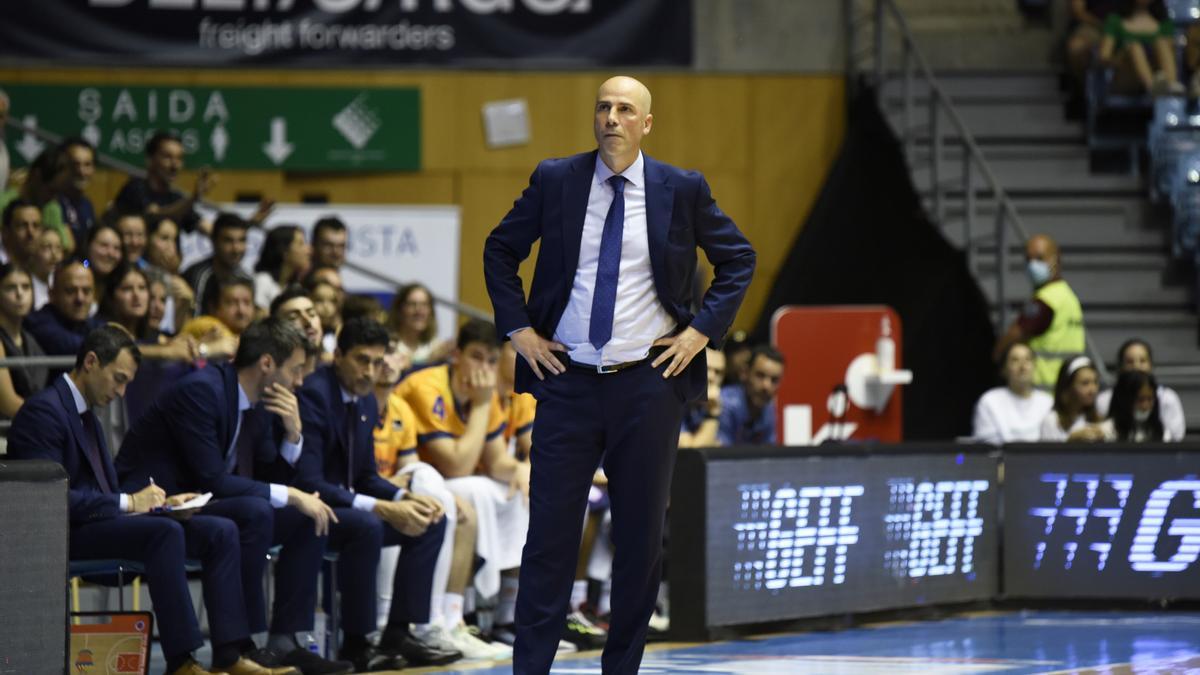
(681, 349)
(538, 351)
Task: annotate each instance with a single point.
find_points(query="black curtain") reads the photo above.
(868, 241)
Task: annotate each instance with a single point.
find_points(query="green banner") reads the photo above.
(287, 128)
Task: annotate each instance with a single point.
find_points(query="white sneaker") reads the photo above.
(565, 647)
(437, 636)
(476, 649)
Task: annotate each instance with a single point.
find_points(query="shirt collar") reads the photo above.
(81, 405)
(347, 397)
(243, 400)
(634, 173)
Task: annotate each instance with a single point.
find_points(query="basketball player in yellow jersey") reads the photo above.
(460, 431)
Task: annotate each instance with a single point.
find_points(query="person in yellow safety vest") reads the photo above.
(1052, 322)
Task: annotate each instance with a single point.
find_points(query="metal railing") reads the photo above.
(976, 178)
(111, 162)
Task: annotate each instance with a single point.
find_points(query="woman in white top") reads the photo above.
(284, 258)
(1074, 417)
(413, 322)
(1012, 413)
(1135, 409)
(1135, 354)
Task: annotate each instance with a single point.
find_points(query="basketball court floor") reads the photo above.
(1012, 643)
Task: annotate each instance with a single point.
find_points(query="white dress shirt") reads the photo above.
(290, 451)
(639, 318)
(81, 407)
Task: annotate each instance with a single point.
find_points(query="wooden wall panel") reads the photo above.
(765, 144)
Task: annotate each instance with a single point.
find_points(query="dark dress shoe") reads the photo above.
(418, 653)
(371, 660)
(309, 663)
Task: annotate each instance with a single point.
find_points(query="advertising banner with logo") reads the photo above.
(321, 33)
(288, 128)
(403, 242)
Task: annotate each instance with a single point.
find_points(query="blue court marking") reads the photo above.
(1020, 643)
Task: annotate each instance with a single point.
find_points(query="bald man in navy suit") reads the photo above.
(608, 341)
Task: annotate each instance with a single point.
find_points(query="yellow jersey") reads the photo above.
(395, 435)
(427, 391)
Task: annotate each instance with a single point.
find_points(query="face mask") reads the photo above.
(1039, 272)
(1141, 416)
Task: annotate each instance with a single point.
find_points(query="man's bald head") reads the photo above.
(622, 119)
(623, 85)
(1041, 247)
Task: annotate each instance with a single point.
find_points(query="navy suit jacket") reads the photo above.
(680, 215)
(182, 439)
(322, 466)
(57, 335)
(48, 427)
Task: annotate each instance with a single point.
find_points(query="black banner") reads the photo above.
(317, 33)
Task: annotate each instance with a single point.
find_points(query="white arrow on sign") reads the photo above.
(219, 141)
(30, 147)
(278, 149)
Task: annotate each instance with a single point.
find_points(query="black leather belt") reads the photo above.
(610, 368)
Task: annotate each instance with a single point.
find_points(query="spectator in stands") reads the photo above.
(414, 322)
(229, 309)
(328, 275)
(338, 410)
(156, 194)
(748, 409)
(132, 228)
(59, 425)
(701, 421)
(48, 254)
(1074, 417)
(22, 225)
(357, 306)
(162, 244)
(294, 307)
(1014, 412)
(156, 315)
(325, 300)
(17, 383)
(162, 254)
(102, 253)
(1052, 323)
(1138, 44)
(283, 259)
(460, 432)
(46, 176)
(228, 238)
(61, 325)
(1088, 18)
(77, 214)
(216, 430)
(1133, 355)
(737, 358)
(329, 238)
(1134, 414)
(126, 302)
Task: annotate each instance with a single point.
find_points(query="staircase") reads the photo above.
(1113, 241)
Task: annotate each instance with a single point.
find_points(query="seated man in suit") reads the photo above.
(58, 424)
(460, 431)
(208, 433)
(60, 326)
(337, 406)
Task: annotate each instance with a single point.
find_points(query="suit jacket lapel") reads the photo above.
(75, 424)
(230, 382)
(660, 200)
(577, 185)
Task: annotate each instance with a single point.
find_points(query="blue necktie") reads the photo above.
(604, 295)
